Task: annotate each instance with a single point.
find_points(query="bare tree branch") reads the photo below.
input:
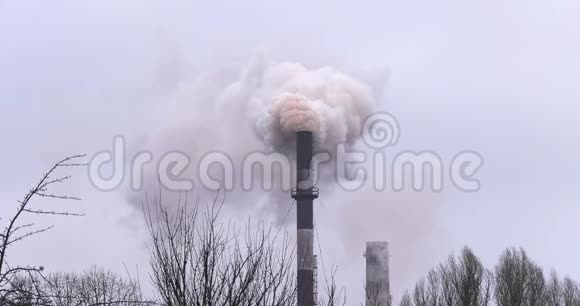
(12, 232)
(196, 259)
(516, 280)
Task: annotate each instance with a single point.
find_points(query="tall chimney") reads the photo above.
(304, 194)
(377, 286)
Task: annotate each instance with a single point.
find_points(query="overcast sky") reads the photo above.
(497, 77)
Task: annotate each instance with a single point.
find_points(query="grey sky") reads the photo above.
(497, 77)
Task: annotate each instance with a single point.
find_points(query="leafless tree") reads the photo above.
(510, 278)
(570, 292)
(96, 287)
(459, 281)
(448, 293)
(517, 281)
(200, 260)
(536, 286)
(24, 290)
(93, 287)
(515, 277)
(16, 230)
(406, 300)
(554, 290)
(420, 296)
(334, 296)
(467, 274)
(487, 288)
(434, 288)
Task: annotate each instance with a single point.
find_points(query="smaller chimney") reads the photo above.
(377, 286)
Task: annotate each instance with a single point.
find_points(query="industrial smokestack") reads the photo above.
(377, 274)
(304, 194)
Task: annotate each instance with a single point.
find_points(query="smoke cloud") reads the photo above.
(328, 103)
(256, 107)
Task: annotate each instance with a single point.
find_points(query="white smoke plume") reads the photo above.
(257, 108)
(328, 103)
